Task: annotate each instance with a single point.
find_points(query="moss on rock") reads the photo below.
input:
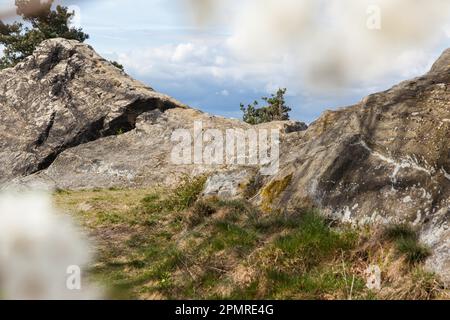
(272, 191)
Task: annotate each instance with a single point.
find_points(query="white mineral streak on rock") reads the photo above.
(446, 174)
(408, 162)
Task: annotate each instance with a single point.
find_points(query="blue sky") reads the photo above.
(161, 44)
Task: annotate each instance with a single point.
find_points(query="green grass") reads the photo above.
(161, 244)
(413, 250)
(314, 240)
(200, 211)
(407, 242)
(303, 257)
(312, 285)
(181, 198)
(230, 235)
(239, 231)
(399, 231)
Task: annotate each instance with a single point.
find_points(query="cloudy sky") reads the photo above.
(214, 54)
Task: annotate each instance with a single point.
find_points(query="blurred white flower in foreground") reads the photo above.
(40, 251)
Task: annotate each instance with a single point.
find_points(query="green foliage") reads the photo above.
(254, 185)
(399, 231)
(239, 207)
(203, 208)
(231, 235)
(40, 22)
(236, 251)
(311, 285)
(301, 262)
(276, 109)
(117, 65)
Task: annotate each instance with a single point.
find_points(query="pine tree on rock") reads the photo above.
(276, 109)
(39, 21)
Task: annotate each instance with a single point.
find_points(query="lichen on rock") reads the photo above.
(272, 191)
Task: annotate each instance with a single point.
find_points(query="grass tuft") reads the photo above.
(399, 231)
(407, 243)
(181, 198)
(412, 250)
(314, 240)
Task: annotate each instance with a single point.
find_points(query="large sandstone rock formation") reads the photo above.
(386, 159)
(71, 120)
(62, 96)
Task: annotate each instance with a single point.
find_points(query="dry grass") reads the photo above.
(230, 250)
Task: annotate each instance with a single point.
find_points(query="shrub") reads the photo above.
(399, 231)
(314, 241)
(117, 65)
(253, 187)
(276, 109)
(186, 194)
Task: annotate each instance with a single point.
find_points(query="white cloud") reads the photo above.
(303, 45)
(327, 44)
(189, 53)
(205, 60)
(322, 51)
(182, 52)
(220, 60)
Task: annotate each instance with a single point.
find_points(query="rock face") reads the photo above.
(62, 96)
(386, 159)
(71, 120)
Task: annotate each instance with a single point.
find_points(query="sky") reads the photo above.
(214, 55)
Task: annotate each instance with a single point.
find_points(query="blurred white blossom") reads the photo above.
(38, 245)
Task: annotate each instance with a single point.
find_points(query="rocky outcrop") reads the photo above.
(138, 158)
(71, 120)
(62, 96)
(142, 156)
(386, 159)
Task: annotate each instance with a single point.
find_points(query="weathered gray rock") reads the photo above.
(62, 96)
(70, 119)
(384, 160)
(229, 184)
(138, 158)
